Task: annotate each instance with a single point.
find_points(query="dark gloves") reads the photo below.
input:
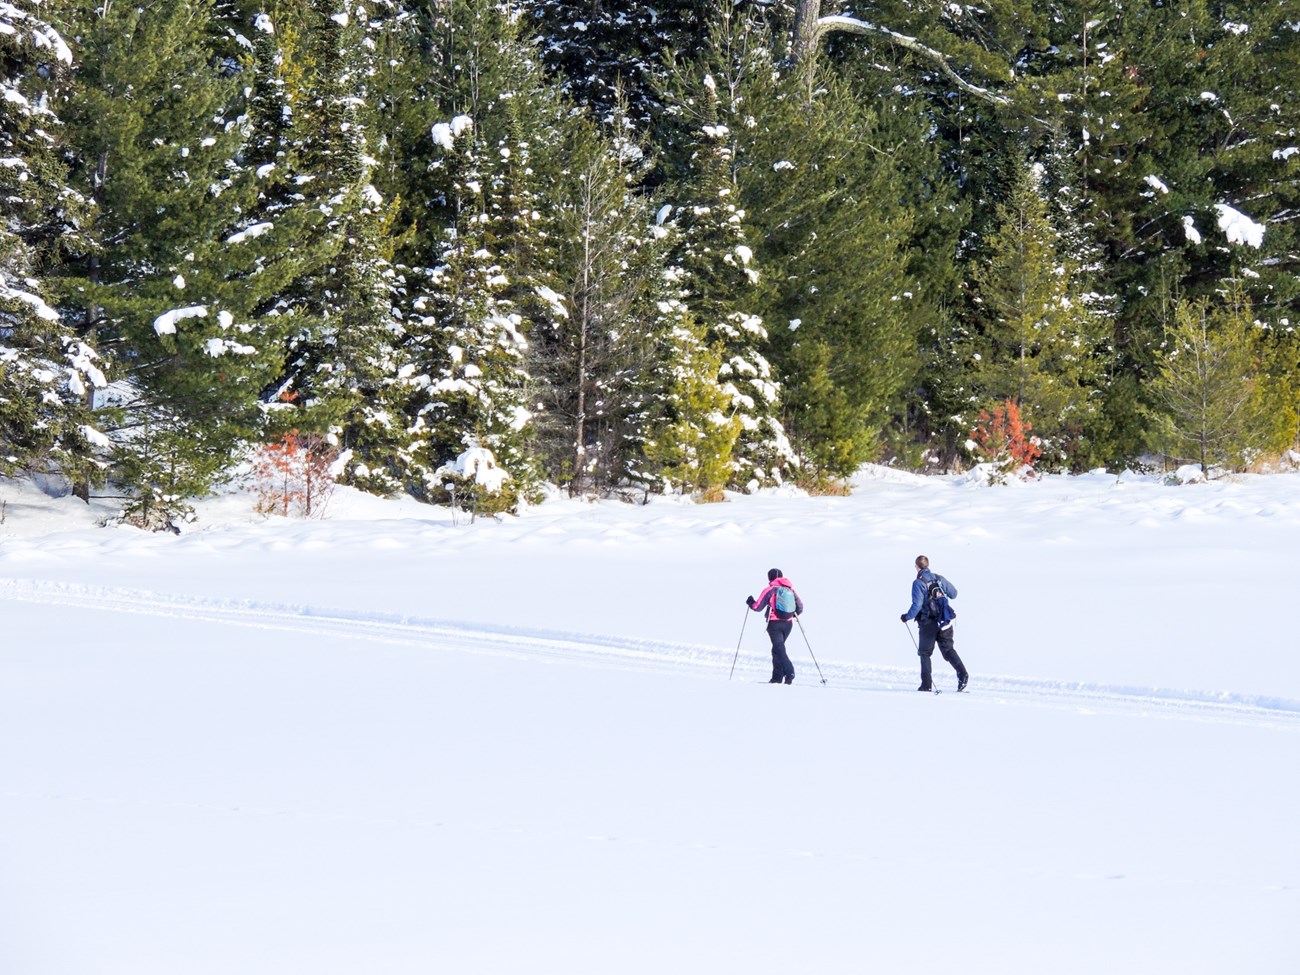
(903, 617)
(749, 601)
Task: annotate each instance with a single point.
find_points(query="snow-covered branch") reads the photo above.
(851, 25)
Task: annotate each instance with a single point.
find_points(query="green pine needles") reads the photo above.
(695, 249)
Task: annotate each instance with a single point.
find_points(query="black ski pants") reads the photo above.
(930, 635)
(778, 631)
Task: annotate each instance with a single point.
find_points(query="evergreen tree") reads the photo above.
(708, 102)
(1218, 406)
(596, 368)
(289, 222)
(1176, 113)
(1102, 90)
(161, 293)
(45, 374)
(479, 254)
(338, 360)
(284, 239)
(690, 440)
(610, 58)
(1039, 340)
(1089, 438)
(943, 188)
(471, 344)
(277, 233)
(826, 203)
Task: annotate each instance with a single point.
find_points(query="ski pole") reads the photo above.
(742, 636)
(809, 645)
(934, 687)
(915, 645)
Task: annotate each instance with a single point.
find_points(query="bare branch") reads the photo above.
(851, 25)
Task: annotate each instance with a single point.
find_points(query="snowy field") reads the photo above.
(391, 742)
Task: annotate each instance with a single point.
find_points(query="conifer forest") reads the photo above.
(626, 248)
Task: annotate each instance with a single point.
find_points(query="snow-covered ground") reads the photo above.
(393, 742)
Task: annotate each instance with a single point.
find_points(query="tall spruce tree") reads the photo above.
(478, 252)
(153, 137)
(1089, 438)
(833, 240)
(942, 187)
(596, 368)
(283, 238)
(46, 374)
(691, 436)
(336, 363)
(314, 115)
(707, 102)
(470, 344)
(1039, 338)
(286, 221)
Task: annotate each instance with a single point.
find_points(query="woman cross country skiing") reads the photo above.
(781, 604)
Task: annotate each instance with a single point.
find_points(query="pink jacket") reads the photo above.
(767, 600)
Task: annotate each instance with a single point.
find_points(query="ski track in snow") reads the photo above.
(622, 653)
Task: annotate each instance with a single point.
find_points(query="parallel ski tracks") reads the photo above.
(621, 653)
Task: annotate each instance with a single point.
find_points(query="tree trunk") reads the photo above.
(580, 426)
(804, 39)
(81, 486)
(584, 328)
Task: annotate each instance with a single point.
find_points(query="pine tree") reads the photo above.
(1277, 391)
(1176, 112)
(346, 327)
(1218, 407)
(285, 228)
(1039, 337)
(708, 103)
(940, 218)
(690, 439)
(833, 241)
(1088, 438)
(610, 57)
(161, 292)
(471, 344)
(479, 255)
(596, 368)
(45, 373)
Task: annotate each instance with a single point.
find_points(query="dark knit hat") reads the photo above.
(774, 574)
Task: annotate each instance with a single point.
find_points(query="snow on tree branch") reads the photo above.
(41, 35)
(165, 324)
(852, 25)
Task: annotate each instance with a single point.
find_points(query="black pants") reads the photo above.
(930, 635)
(778, 631)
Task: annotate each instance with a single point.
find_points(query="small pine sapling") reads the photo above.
(474, 483)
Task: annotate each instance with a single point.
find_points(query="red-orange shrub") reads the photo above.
(294, 473)
(1002, 437)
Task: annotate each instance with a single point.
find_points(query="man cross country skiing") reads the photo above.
(780, 617)
(934, 624)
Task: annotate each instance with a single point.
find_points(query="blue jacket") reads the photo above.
(920, 608)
